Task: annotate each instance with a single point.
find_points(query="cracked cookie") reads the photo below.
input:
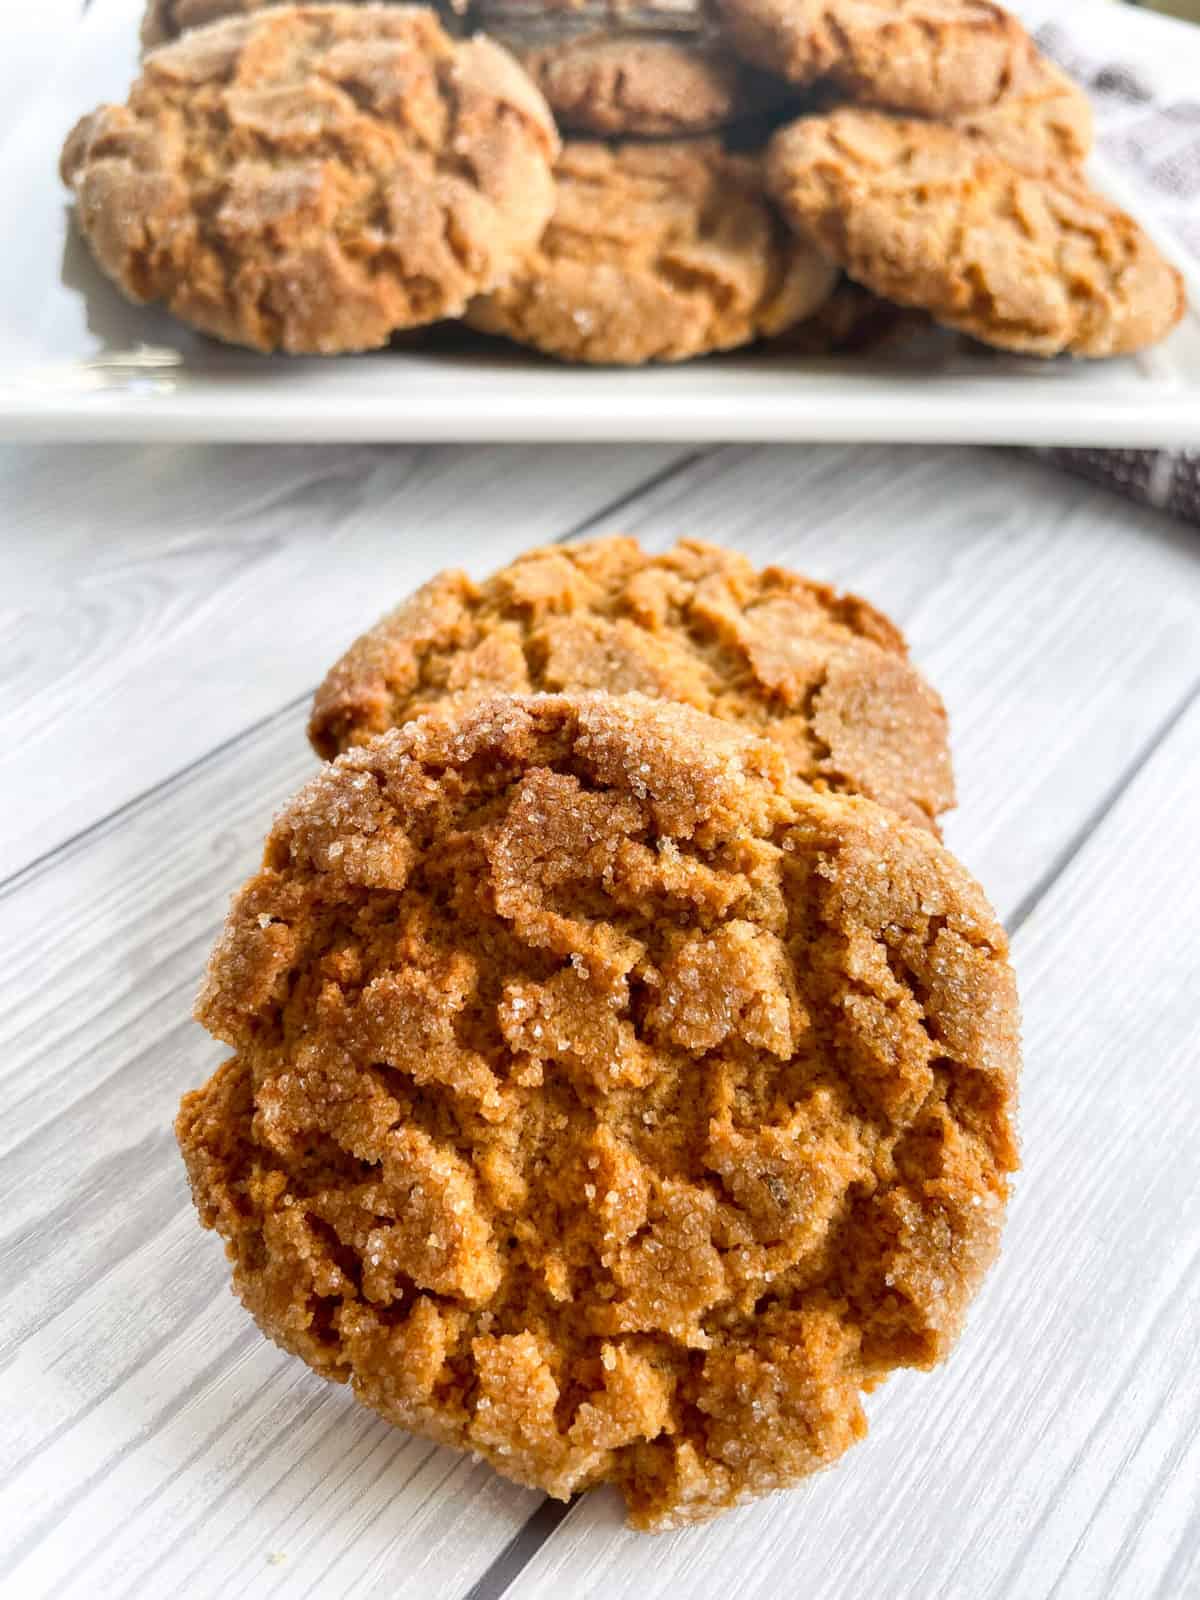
(933, 57)
(928, 216)
(656, 252)
(603, 1100)
(825, 675)
(313, 178)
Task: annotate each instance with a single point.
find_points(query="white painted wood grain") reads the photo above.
(1056, 1454)
(175, 596)
(150, 1442)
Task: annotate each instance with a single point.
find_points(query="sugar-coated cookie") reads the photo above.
(824, 674)
(605, 1101)
(313, 178)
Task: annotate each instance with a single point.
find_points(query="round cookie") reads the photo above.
(656, 252)
(933, 217)
(824, 674)
(313, 178)
(933, 57)
(603, 1101)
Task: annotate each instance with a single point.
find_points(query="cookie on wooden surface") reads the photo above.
(313, 178)
(605, 1101)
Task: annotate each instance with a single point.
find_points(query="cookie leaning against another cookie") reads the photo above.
(934, 57)
(604, 1101)
(929, 216)
(313, 178)
(825, 675)
(656, 252)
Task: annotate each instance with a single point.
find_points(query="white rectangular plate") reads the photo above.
(77, 362)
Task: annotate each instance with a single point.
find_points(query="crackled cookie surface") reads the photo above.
(313, 178)
(825, 674)
(935, 57)
(656, 252)
(929, 217)
(603, 1100)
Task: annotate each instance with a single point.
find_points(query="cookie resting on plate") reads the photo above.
(933, 57)
(605, 1101)
(930, 216)
(313, 178)
(824, 674)
(656, 252)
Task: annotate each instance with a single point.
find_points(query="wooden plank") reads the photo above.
(133, 1453)
(1057, 1452)
(170, 598)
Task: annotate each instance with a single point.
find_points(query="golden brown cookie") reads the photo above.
(604, 1101)
(656, 252)
(824, 674)
(934, 57)
(929, 216)
(313, 178)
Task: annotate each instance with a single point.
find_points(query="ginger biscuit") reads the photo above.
(825, 675)
(313, 178)
(656, 252)
(933, 57)
(605, 1101)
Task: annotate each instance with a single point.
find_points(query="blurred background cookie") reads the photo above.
(313, 178)
(1042, 120)
(656, 252)
(929, 217)
(650, 69)
(581, 1051)
(935, 57)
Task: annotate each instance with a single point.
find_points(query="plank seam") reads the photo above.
(1079, 839)
(67, 847)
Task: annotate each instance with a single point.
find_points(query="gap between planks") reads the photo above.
(613, 507)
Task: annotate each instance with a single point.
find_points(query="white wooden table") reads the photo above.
(164, 615)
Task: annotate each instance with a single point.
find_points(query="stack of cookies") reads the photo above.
(623, 1075)
(611, 182)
